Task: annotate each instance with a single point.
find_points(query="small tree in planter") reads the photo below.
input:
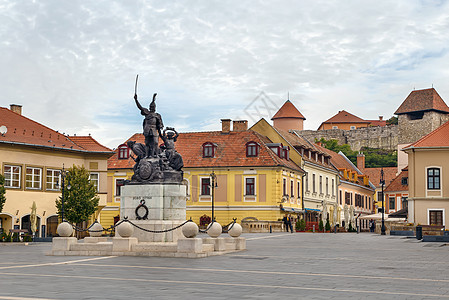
(321, 225)
(301, 225)
(328, 225)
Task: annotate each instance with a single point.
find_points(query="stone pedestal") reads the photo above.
(190, 245)
(123, 244)
(63, 243)
(166, 205)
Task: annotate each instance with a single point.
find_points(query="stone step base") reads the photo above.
(155, 247)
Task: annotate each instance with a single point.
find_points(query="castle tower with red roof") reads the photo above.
(288, 117)
(421, 112)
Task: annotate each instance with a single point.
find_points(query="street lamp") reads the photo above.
(63, 175)
(213, 185)
(382, 182)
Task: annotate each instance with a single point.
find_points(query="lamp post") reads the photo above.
(382, 182)
(63, 174)
(213, 186)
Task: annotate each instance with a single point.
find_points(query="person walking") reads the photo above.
(285, 219)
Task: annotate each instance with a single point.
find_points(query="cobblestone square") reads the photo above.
(300, 265)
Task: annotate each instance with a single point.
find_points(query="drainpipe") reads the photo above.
(302, 196)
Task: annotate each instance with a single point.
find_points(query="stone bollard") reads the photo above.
(190, 230)
(215, 230)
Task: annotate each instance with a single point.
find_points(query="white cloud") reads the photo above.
(72, 64)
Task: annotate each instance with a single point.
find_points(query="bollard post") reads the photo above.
(335, 229)
(313, 228)
(271, 231)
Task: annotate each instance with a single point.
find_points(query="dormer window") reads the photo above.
(123, 152)
(404, 181)
(285, 152)
(252, 149)
(208, 149)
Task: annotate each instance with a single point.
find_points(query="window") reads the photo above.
(352, 127)
(404, 200)
(52, 179)
(298, 189)
(252, 149)
(392, 202)
(334, 127)
(250, 186)
(95, 179)
(208, 150)
(333, 187)
(118, 185)
(12, 176)
(123, 152)
(313, 183)
(436, 217)
(327, 186)
(205, 186)
(340, 199)
(33, 178)
(433, 178)
(404, 181)
(347, 198)
(284, 187)
(292, 188)
(307, 182)
(275, 149)
(321, 185)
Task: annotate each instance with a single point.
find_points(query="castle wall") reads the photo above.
(373, 137)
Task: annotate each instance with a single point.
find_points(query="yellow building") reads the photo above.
(31, 157)
(320, 181)
(255, 176)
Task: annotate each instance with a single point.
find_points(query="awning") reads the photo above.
(399, 214)
(291, 209)
(311, 209)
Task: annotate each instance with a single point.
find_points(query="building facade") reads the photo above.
(32, 157)
(428, 166)
(243, 173)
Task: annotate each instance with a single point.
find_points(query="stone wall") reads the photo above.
(372, 137)
(412, 130)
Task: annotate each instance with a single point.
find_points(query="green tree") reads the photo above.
(392, 121)
(80, 200)
(374, 158)
(2, 192)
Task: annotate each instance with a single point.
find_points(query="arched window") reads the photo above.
(208, 149)
(252, 149)
(123, 152)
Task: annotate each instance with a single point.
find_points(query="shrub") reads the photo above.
(328, 225)
(8, 238)
(27, 238)
(301, 225)
(321, 225)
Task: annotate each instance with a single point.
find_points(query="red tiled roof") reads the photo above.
(230, 151)
(22, 130)
(381, 123)
(396, 185)
(288, 110)
(89, 143)
(422, 100)
(374, 175)
(437, 138)
(345, 117)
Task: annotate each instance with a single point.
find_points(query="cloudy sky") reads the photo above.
(72, 64)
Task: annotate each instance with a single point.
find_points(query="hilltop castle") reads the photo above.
(419, 114)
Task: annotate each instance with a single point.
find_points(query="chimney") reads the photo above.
(240, 125)
(318, 143)
(16, 108)
(381, 118)
(225, 126)
(361, 161)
